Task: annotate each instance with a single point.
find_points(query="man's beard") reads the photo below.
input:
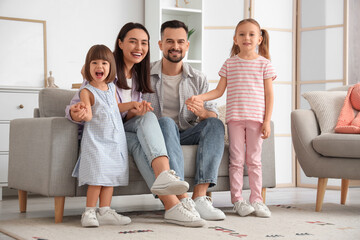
(174, 59)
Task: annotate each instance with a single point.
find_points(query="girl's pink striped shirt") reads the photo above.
(245, 87)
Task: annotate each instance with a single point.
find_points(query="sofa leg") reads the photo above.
(344, 190)
(22, 200)
(263, 194)
(322, 182)
(59, 209)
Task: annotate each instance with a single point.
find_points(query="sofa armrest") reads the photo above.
(42, 155)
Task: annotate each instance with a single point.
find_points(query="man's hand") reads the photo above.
(265, 130)
(196, 105)
(78, 111)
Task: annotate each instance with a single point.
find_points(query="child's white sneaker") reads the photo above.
(88, 218)
(243, 208)
(180, 215)
(261, 210)
(168, 183)
(111, 217)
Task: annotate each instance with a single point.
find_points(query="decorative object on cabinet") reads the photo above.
(159, 11)
(19, 36)
(51, 81)
(177, 3)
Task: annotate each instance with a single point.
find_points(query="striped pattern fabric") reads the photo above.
(245, 87)
(103, 159)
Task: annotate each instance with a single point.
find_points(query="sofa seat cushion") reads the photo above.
(338, 145)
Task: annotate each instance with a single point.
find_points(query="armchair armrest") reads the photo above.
(304, 128)
(42, 155)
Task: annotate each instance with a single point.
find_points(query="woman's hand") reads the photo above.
(142, 108)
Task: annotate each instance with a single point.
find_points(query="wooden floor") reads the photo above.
(44, 207)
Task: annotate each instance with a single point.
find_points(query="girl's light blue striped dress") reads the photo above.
(103, 158)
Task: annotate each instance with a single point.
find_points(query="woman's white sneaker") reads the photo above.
(204, 207)
(190, 205)
(111, 217)
(261, 210)
(243, 208)
(88, 218)
(180, 215)
(168, 183)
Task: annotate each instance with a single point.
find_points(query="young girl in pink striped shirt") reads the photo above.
(248, 76)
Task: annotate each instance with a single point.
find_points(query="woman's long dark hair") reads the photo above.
(141, 70)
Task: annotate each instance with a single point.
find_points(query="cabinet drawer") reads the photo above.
(4, 137)
(4, 165)
(17, 105)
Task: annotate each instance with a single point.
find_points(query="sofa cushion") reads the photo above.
(338, 145)
(53, 101)
(327, 106)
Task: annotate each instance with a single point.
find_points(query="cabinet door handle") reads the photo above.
(21, 106)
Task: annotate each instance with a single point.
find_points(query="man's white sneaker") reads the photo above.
(110, 217)
(261, 210)
(243, 208)
(180, 215)
(190, 205)
(88, 218)
(204, 207)
(168, 183)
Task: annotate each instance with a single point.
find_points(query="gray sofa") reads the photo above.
(325, 155)
(44, 150)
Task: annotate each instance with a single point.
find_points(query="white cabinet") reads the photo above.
(160, 11)
(15, 103)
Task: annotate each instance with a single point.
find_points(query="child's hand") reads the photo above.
(195, 104)
(78, 111)
(193, 99)
(265, 130)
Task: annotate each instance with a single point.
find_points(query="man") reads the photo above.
(174, 81)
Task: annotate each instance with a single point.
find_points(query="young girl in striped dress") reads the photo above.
(103, 159)
(248, 76)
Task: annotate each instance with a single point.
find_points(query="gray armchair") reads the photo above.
(44, 150)
(329, 155)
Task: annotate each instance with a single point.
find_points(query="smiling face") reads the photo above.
(99, 70)
(135, 46)
(174, 44)
(247, 37)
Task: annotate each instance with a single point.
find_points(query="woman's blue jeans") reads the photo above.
(145, 143)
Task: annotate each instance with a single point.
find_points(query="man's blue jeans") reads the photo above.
(145, 143)
(208, 135)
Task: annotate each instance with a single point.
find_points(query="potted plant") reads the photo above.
(190, 32)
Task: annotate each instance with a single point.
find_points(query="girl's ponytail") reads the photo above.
(264, 45)
(234, 50)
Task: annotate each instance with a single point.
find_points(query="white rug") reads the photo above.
(287, 222)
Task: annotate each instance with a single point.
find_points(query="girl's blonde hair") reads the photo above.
(264, 45)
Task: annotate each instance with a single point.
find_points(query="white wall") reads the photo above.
(73, 26)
